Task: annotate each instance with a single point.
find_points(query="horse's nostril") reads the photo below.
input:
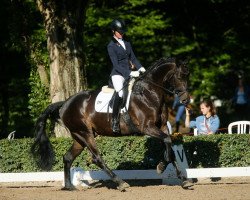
(185, 101)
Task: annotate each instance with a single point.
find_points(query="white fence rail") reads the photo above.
(127, 174)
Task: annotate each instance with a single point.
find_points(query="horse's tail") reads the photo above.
(42, 149)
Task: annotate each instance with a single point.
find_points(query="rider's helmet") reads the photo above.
(118, 25)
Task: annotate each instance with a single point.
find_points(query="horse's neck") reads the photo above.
(159, 76)
(154, 88)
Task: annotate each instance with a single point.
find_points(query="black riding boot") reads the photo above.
(116, 115)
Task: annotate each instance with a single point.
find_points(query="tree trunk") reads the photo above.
(43, 75)
(64, 22)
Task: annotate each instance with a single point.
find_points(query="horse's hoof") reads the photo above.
(69, 188)
(187, 184)
(122, 187)
(160, 168)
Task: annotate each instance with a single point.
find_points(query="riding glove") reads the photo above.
(142, 70)
(134, 73)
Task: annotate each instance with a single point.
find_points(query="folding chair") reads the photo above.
(241, 127)
(195, 131)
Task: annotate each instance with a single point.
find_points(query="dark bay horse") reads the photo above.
(147, 110)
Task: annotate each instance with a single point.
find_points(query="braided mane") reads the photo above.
(160, 62)
(155, 65)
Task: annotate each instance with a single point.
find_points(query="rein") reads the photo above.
(143, 78)
(166, 90)
(157, 85)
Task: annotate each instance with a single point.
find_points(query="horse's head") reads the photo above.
(179, 81)
(170, 76)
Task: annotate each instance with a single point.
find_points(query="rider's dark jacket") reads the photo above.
(121, 58)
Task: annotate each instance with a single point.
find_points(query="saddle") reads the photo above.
(105, 98)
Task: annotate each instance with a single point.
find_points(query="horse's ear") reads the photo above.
(186, 61)
(179, 62)
(183, 65)
(182, 60)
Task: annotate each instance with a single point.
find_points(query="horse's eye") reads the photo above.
(177, 91)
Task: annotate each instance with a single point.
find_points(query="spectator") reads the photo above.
(241, 99)
(208, 122)
(179, 113)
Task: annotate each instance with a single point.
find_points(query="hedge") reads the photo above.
(133, 152)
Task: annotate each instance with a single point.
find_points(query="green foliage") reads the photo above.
(237, 152)
(133, 152)
(208, 32)
(38, 97)
(144, 24)
(15, 157)
(221, 150)
(39, 94)
(215, 50)
(14, 71)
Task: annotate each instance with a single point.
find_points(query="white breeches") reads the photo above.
(118, 81)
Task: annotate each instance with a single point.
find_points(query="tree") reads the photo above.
(64, 22)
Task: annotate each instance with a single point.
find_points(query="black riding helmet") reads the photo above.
(118, 25)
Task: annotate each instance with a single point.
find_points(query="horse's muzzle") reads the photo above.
(185, 101)
(184, 97)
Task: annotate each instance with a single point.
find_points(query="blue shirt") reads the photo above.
(243, 97)
(212, 122)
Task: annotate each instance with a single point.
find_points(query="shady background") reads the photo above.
(50, 50)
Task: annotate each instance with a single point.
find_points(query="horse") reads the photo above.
(147, 111)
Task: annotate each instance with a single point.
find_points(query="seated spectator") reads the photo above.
(208, 122)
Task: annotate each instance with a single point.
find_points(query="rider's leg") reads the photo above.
(118, 85)
(116, 114)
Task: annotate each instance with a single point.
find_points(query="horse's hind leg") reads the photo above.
(97, 159)
(68, 159)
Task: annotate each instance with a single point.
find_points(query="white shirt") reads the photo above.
(121, 42)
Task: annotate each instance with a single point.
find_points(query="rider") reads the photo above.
(124, 63)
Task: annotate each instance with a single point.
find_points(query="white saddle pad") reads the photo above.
(103, 98)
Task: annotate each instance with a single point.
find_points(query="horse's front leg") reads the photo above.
(169, 156)
(155, 132)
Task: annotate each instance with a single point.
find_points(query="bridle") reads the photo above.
(174, 91)
(159, 86)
